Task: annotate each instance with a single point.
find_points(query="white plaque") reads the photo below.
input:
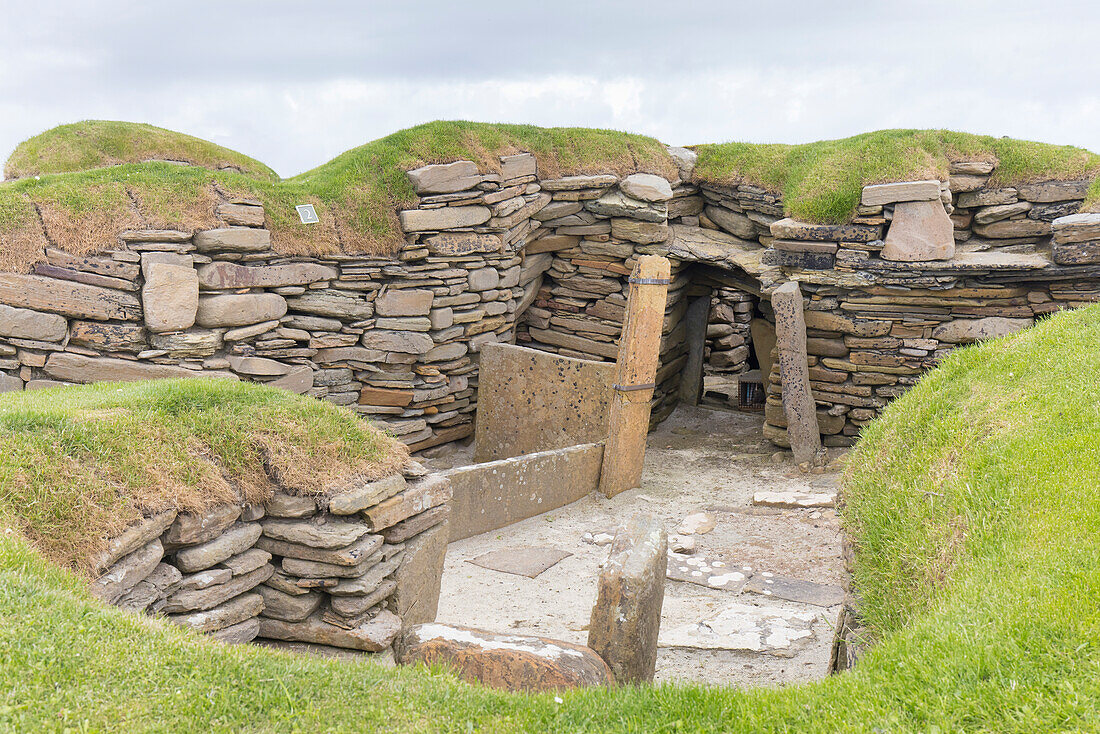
(307, 214)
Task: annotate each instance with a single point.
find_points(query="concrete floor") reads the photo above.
(697, 460)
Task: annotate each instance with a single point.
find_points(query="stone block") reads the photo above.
(890, 193)
(404, 342)
(21, 323)
(233, 541)
(1012, 228)
(234, 611)
(258, 366)
(104, 336)
(240, 310)
(418, 577)
(334, 304)
(965, 331)
(618, 204)
(450, 244)
(493, 494)
(76, 300)
(187, 344)
(197, 528)
(328, 535)
(372, 636)
(78, 368)
(1074, 228)
(240, 215)
(646, 187)
(1049, 191)
(532, 400)
(125, 574)
(733, 222)
(448, 217)
(134, 537)
(232, 239)
(506, 661)
(423, 495)
(519, 165)
(626, 618)
(188, 600)
(1076, 253)
(404, 302)
(363, 495)
(226, 275)
(920, 231)
(790, 229)
(643, 233)
(353, 554)
(445, 178)
(289, 607)
(798, 402)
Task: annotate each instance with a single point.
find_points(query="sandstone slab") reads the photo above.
(448, 217)
(647, 187)
(360, 496)
(445, 178)
(226, 275)
(403, 342)
(920, 231)
(170, 297)
(450, 244)
(105, 336)
(78, 368)
(351, 555)
(794, 500)
(796, 590)
(199, 599)
(965, 331)
(643, 233)
(76, 300)
(233, 541)
(232, 239)
(890, 193)
(134, 537)
(22, 323)
(288, 607)
(334, 304)
(371, 636)
(197, 528)
(423, 495)
(127, 572)
(524, 561)
(509, 662)
(743, 627)
(327, 535)
(240, 309)
(706, 572)
(404, 302)
(234, 611)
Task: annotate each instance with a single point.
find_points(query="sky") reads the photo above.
(294, 84)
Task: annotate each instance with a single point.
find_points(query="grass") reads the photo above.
(80, 464)
(356, 195)
(973, 505)
(821, 182)
(82, 146)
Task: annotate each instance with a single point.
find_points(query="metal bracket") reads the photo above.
(632, 388)
(649, 281)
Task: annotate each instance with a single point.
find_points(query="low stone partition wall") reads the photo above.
(346, 571)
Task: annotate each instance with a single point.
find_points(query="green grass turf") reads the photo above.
(973, 506)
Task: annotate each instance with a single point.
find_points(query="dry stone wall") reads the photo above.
(348, 571)
(512, 257)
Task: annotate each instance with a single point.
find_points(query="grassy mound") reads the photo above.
(821, 182)
(973, 505)
(79, 464)
(356, 195)
(92, 144)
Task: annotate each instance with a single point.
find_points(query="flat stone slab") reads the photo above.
(706, 572)
(744, 627)
(529, 562)
(796, 590)
(794, 500)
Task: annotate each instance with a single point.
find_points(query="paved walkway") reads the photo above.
(698, 461)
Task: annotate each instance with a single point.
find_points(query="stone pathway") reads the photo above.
(714, 627)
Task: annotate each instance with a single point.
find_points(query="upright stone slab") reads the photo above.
(920, 231)
(416, 597)
(627, 615)
(695, 320)
(798, 401)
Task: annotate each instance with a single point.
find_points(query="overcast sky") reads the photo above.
(294, 84)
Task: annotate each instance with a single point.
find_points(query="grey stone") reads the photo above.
(369, 581)
(519, 165)
(110, 337)
(626, 618)
(462, 243)
(360, 496)
(134, 537)
(989, 214)
(327, 535)
(250, 560)
(798, 401)
(711, 574)
(234, 611)
(1077, 228)
(574, 183)
(204, 579)
(170, 297)
(633, 230)
(419, 574)
(879, 194)
(735, 223)
(187, 344)
(350, 606)
(78, 368)
(22, 323)
(684, 159)
(330, 303)
(238, 634)
(258, 366)
(483, 279)
(288, 607)
(232, 239)
(646, 187)
(372, 636)
(304, 569)
(448, 217)
(149, 589)
(194, 528)
(796, 590)
(235, 540)
(445, 178)
(398, 341)
(618, 204)
(1049, 191)
(524, 561)
(404, 302)
(964, 331)
(282, 504)
(127, 572)
(240, 310)
(351, 555)
(197, 599)
(225, 275)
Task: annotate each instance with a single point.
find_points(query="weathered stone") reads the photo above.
(964, 331)
(232, 239)
(794, 499)
(790, 229)
(403, 302)
(1012, 228)
(627, 615)
(240, 215)
(110, 337)
(684, 159)
(404, 342)
(1076, 253)
(247, 332)
(22, 323)
(149, 589)
(10, 383)
(351, 555)
(225, 275)
(76, 300)
(423, 495)
(735, 223)
(250, 560)
(197, 599)
(552, 243)
(134, 537)
(258, 366)
(78, 368)
(1074, 228)
(920, 231)
(304, 569)
(796, 590)
(644, 233)
(332, 303)
(519, 165)
(448, 217)
(385, 397)
(369, 581)
(445, 178)
(618, 204)
(352, 606)
(1054, 191)
(483, 279)
(351, 355)
(360, 496)
(879, 194)
(205, 579)
(187, 344)
(373, 635)
(288, 607)
(798, 401)
(646, 187)
(987, 197)
(234, 611)
(328, 535)
(990, 214)
(575, 183)
(127, 572)
(299, 380)
(507, 661)
(238, 634)
(233, 541)
(972, 168)
(195, 529)
(416, 524)
(240, 310)
(449, 244)
(282, 504)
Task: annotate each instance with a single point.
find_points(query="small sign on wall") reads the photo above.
(307, 214)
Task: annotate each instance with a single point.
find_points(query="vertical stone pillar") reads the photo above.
(798, 401)
(695, 323)
(635, 372)
(627, 616)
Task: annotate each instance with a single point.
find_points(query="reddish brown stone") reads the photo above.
(510, 662)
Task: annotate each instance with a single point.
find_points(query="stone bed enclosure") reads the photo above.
(514, 258)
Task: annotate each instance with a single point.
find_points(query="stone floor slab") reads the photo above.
(796, 590)
(529, 562)
(746, 627)
(712, 574)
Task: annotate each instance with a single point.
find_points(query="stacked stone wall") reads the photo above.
(342, 572)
